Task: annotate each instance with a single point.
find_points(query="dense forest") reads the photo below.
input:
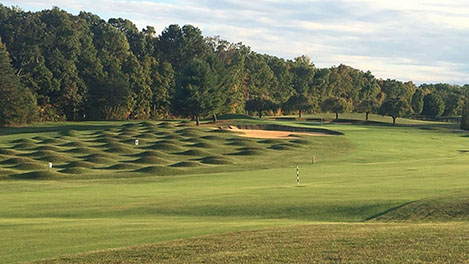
(57, 66)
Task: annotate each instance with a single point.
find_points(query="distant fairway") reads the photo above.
(183, 182)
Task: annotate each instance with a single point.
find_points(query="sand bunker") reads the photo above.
(274, 134)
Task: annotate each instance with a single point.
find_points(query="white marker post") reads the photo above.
(314, 160)
(136, 142)
(297, 175)
(50, 166)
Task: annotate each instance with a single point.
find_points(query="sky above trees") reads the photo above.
(419, 40)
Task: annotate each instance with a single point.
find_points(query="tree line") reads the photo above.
(57, 66)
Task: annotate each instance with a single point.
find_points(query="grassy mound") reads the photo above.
(166, 125)
(240, 142)
(82, 150)
(173, 137)
(52, 141)
(159, 170)
(216, 160)
(123, 137)
(124, 166)
(151, 153)
(25, 146)
(203, 145)
(36, 175)
(105, 140)
(115, 145)
(194, 152)
(221, 131)
(76, 170)
(23, 140)
(147, 124)
(14, 161)
(163, 133)
(270, 141)
(31, 166)
(120, 150)
(8, 152)
(80, 164)
(249, 152)
(5, 172)
(164, 146)
(129, 125)
(49, 148)
(55, 157)
(186, 164)
(300, 141)
(146, 136)
(453, 208)
(281, 147)
(212, 137)
(100, 159)
(132, 141)
(41, 153)
(75, 144)
(70, 133)
(150, 160)
(128, 133)
(40, 138)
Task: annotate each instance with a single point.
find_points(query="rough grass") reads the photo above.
(318, 243)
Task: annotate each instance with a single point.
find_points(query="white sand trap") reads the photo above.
(270, 134)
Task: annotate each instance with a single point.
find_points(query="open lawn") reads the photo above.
(187, 188)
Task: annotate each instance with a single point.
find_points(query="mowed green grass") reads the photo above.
(368, 171)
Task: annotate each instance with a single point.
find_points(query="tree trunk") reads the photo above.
(214, 116)
(299, 112)
(367, 115)
(197, 120)
(260, 114)
(336, 116)
(394, 120)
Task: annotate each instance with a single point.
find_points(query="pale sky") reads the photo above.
(420, 40)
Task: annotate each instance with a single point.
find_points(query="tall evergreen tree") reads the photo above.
(196, 91)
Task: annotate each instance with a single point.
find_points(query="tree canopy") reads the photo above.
(81, 67)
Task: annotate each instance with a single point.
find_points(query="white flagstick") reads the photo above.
(297, 175)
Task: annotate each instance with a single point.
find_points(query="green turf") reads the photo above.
(374, 172)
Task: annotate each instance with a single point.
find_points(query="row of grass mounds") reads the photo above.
(166, 148)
